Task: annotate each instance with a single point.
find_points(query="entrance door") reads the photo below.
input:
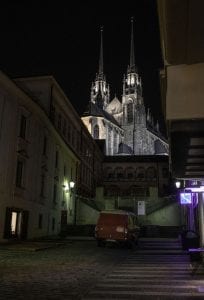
(16, 223)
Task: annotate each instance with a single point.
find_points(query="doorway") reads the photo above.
(16, 223)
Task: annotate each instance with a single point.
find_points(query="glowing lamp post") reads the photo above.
(71, 185)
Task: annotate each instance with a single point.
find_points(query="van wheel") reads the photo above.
(100, 243)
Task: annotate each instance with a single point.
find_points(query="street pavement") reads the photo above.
(54, 270)
(75, 268)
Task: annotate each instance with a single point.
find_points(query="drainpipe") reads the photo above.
(201, 217)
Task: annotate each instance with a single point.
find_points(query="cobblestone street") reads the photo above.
(64, 272)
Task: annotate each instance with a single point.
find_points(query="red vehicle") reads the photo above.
(117, 226)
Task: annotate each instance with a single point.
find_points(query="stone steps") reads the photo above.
(152, 275)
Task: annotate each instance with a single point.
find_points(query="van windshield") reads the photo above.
(112, 219)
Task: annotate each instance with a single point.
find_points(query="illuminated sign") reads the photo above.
(185, 198)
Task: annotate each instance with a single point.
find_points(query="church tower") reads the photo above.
(134, 115)
(122, 125)
(100, 94)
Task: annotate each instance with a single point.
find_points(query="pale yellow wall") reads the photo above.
(185, 90)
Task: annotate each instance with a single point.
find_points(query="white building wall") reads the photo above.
(28, 198)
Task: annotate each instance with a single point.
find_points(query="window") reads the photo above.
(55, 194)
(151, 173)
(73, 137)
(165, 173)
(119, 175)
(59, 125)
(64, 127)
(110, 175)
(53, 224)
(56, 159)
(42, 188)
(68, 133)
(140, 173)
(129, 112)
(52, 113)
(19, 173)
(45, 145)
(65, 170)
(130, 175)
(40, 219)
(96, 132)
(23, 127)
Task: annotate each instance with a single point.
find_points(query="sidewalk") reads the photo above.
(41, 244)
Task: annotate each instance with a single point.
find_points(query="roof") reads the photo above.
(125, 149)
(114, 107)
(94, 110)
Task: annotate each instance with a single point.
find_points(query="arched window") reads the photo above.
(129, 112)
(140, 173)
(96, 132)
(119, 173)
(151, 173)
(129, 172)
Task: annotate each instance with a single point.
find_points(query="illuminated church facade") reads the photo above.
(125, 126)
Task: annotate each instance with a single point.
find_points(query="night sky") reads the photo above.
(63, 41)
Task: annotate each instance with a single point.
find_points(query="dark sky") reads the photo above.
(63, 40)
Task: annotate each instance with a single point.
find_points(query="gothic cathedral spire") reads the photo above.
(132, 52)
(100, 69)
(100, 93)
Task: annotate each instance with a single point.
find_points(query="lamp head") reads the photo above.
(72, 184)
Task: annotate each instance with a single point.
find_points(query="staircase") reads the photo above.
(159, 246)
(157, 270)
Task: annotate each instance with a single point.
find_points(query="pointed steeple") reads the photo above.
(100, 87)
(100, 69)
(132, 52)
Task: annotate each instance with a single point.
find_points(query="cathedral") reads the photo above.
(125, 126)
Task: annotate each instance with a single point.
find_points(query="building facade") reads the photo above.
(182, 87)
(49, 162)
(126, 126)
(131, 181)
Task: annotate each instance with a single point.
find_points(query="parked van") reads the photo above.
(116, 226)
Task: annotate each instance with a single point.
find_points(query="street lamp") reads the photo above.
(178, 184)
(72, 185)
